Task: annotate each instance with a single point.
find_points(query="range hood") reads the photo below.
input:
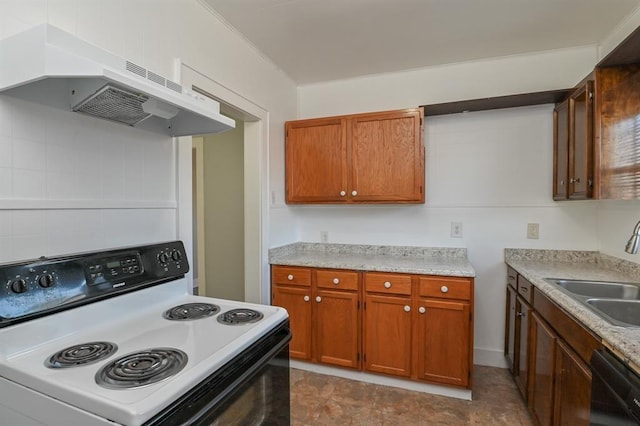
(47, 65)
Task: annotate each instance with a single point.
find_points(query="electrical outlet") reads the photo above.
(324, 236)
(456, 229)
(533, 231)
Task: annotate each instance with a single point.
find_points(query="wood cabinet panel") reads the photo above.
(510, 329)
(544, 343)
(297, 301)
(316, 160)
(337, 328)
(523, 317)
(339, 280)
(387, 283)
(387, 156)
(387, 335)
(525, 289)
(572, 400)
(290, 275)
(445, 287)
(442, 342)
(581, 124)
(560, 150)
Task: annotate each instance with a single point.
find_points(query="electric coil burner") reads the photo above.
(141, 368)
(191, 311)
(125, 319)
(240, 316)
(82, 354)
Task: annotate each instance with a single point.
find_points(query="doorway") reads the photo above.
(218, 176)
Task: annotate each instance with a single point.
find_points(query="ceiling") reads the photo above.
(322, 40)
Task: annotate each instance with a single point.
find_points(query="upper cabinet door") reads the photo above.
(316, 161)
(387, 157)
(560, 150)
(581, 142)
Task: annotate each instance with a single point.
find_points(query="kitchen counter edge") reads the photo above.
(442, 261)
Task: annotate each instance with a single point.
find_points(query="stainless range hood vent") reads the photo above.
(56, 68)
(115, 104)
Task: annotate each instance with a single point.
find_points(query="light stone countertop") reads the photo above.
(401, 259)
(536, 265)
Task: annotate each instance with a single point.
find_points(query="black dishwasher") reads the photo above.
(615, 391)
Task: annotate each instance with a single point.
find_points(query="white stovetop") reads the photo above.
(207, 343)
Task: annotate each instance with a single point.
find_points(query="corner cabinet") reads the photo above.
(363, 158)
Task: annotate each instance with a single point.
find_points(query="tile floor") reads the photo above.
(318, 399)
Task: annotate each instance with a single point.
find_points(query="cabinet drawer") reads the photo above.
(525, 289)
(445, 287)
(291, 275)
(512, 277)
(388, 283)
(344, 280)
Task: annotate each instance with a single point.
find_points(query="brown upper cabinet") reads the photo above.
(573, 144)
(362, 158)
(596, 144)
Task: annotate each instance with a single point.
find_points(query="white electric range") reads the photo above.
(115, 337)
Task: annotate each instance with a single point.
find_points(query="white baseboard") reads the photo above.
(383, 380)
(489, 357)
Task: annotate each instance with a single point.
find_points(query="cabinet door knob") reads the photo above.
(444, 289)
(520, 314)
(336, 281)
(318, 299)
(306, 298)
(343, 193)
(290, 277)
(387, 284)
(576, 180)
(354, 193)
(407, 308)
(422, 309)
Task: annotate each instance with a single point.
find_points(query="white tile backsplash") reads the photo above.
(29, 155)
(6, 151)
(29, 184)
(6, 183)
(6, 223)
(29, 222)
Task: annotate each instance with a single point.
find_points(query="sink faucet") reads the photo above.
(634, 241)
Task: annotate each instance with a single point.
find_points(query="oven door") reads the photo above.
(252, 389)
(615, 391)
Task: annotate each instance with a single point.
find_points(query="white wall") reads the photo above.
(153, 34)
(490, 170)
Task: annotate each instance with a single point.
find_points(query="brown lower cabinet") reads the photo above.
(558, 349)
(410, 326)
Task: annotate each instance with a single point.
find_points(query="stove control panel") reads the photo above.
(114, 268)
(46, 285)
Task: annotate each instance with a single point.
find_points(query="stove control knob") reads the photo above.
(45, 280)
(163, 257)
(176, 255)
(19, 286)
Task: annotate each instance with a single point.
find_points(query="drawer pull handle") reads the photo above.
(524, 289)
(387, 284)
(444, 289)
(407, 308)
(422, 309)
(306, 298)
(336, 281)
(318, 299)
(290, 277)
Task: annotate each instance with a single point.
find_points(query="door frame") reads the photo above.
(256, 169)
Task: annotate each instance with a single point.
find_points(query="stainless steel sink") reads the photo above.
(616, 302)
(620, 312)
(601, 289)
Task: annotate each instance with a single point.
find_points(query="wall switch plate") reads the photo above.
(456, 229)
(533, 231)
(324, 236)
